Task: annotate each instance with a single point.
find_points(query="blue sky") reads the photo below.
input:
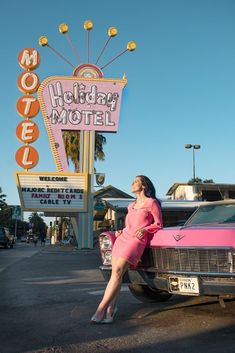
(181, 84)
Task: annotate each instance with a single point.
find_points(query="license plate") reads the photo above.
(184, 285)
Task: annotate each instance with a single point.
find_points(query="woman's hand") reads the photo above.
(118, 233)
(140, 233)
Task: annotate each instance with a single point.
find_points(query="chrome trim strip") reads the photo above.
(208, 274)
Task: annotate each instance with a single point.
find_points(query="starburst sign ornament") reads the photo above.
(84, 101)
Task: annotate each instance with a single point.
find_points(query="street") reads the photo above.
(48, 295)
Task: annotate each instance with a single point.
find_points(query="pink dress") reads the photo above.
(149, 217)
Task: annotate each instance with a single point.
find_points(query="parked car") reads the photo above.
(6, 239)
(23, 238)
(31, 238)
(195, 259)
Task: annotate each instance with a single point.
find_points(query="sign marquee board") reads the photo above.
(56, 192)
(75, 103)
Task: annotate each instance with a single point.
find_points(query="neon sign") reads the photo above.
(28, 107)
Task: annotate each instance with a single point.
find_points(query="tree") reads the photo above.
(72, 147)
(22, 227)
(39, 226)
(5, 211)
(2, 198)
(5, 215)
(100, 141)
(195, 180)
(209, 181)
(199, 180)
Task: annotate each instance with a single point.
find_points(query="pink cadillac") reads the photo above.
(197, 258)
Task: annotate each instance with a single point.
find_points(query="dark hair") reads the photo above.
(149, 189)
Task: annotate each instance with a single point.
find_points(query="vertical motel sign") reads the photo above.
(27, 107)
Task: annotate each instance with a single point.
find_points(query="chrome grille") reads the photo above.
(206, 260)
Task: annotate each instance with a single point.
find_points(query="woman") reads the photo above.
(144, 218)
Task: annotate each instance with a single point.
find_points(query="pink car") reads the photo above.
(197, 258)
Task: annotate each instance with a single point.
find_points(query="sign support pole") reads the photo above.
(16, 227)
(85, 220)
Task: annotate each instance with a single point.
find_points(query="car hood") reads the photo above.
(197, 236)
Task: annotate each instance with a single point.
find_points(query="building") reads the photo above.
(174, 212)
(201, 191)
(104, 216)
(110, 209)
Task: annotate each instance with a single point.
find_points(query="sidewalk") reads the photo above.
(69, 248)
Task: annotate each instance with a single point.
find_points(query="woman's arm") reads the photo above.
(118, 233)
(157, 218)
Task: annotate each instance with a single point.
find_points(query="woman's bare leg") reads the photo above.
(111, 307)
(119, 267)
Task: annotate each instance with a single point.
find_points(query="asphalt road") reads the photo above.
(47, 296)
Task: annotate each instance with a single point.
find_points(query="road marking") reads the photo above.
(45, 278)
(99, 292)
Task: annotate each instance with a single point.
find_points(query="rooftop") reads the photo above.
(202, 186)
(117, 203)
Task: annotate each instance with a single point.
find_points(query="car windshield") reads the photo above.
(213, 214)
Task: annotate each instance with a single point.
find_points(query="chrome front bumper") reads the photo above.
(216, 284)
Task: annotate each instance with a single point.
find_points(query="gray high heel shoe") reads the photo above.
(111, 318)
(95, 320)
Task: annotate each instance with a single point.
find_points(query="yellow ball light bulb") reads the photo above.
(43, 41)
(63, 28)
(131, 46)
(112, 31)
(88, 25)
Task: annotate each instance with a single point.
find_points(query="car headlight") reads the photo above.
(105, 243)
(107, 257)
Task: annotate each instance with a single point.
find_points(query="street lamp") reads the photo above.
(194, 147)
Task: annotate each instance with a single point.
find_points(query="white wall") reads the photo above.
(185, 192)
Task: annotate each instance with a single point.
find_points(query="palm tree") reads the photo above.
(5, 210)
(39, 226)
(2, 198)
(72, 147)
(100, 141)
